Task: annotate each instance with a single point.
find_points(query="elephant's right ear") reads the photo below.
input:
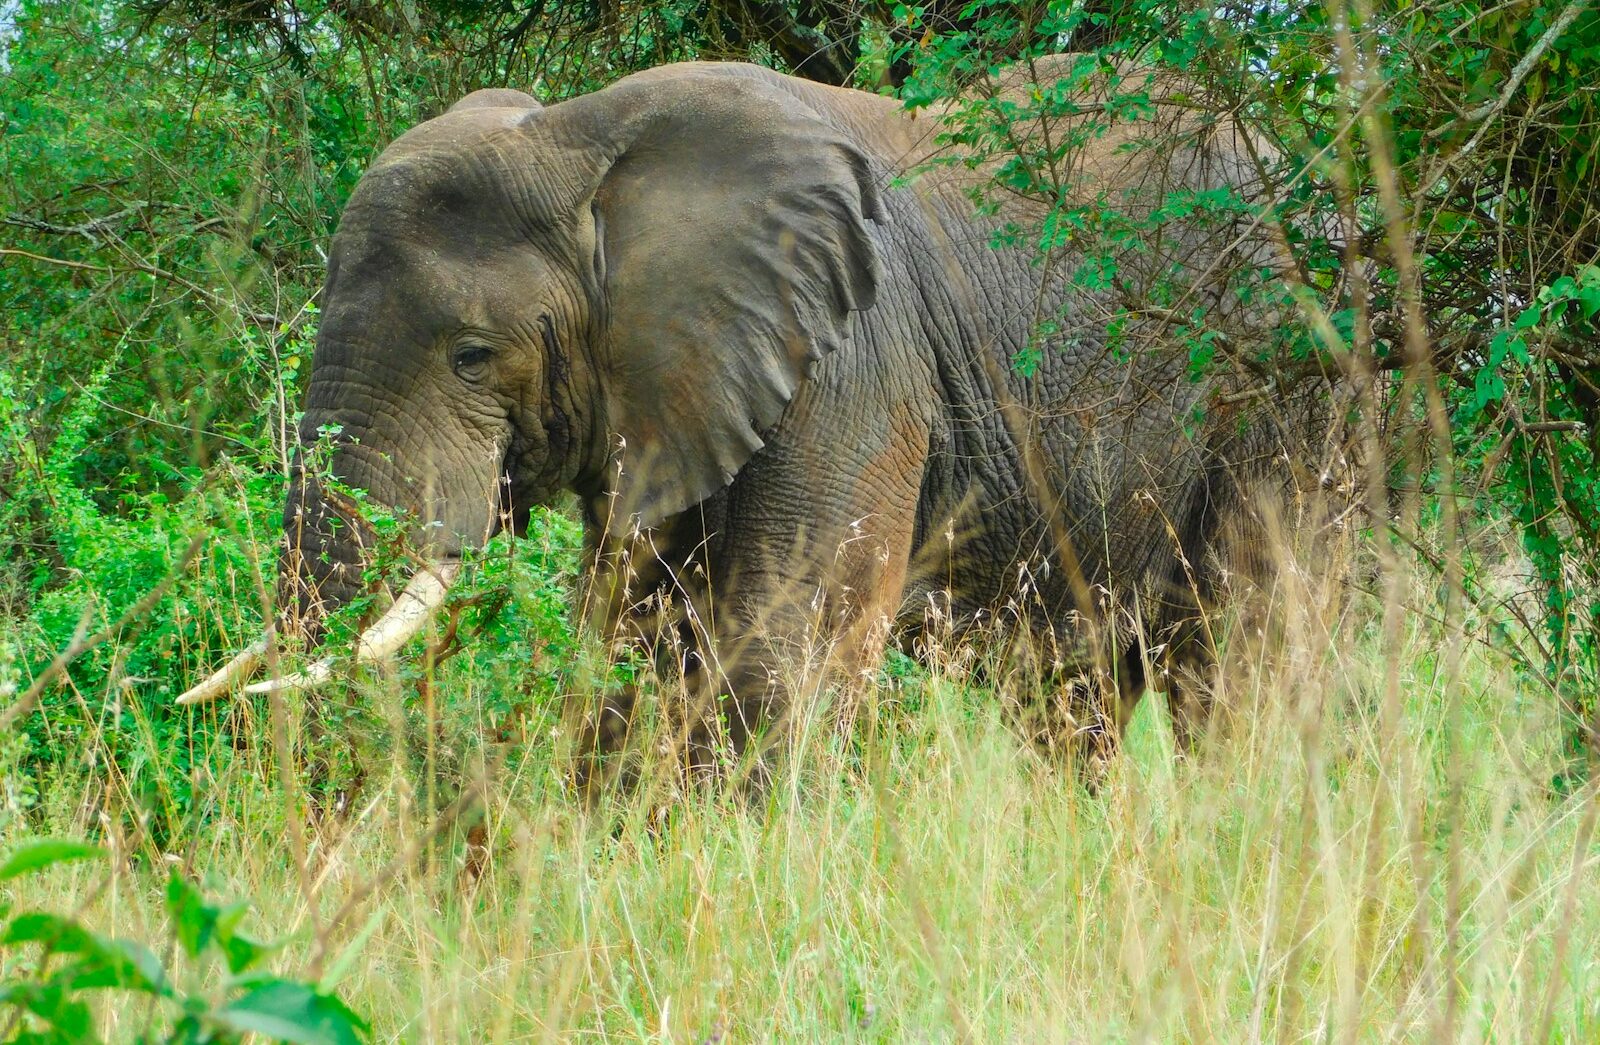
(731, 231)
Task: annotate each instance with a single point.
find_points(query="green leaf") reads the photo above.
(1098, 272)
(34, 856)
(1503, 345)
(1589, 300)
(1528, 318)
(122, 964)
(1488, 387)
(242, 951)
(103, 961)
(1563, 287)
(71, 1018)
(52, 930)
(193, 922)
(292, 1012)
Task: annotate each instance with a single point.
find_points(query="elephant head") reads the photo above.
(614, 295)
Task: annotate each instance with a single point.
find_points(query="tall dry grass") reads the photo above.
(1364, 847)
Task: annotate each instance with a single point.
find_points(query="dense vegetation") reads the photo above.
(1395, 839)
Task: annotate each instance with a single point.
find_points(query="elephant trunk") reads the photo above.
(325, 548)
(321, 559)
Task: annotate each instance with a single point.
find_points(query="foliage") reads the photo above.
(571, 46)
(166, 225)
(1429, 174)
(166, 221)
(48, 992)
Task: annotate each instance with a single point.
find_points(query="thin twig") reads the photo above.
(265, 319)
(89, 230)
(1489, 110)
(55, 261)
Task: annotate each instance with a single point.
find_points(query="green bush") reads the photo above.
(46, 994)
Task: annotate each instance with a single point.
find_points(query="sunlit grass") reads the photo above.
(1365, 848)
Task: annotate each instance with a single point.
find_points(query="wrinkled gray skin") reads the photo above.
(697, 300)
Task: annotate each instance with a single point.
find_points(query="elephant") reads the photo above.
(803, 396)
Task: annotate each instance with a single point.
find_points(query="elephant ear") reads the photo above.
(731, 249)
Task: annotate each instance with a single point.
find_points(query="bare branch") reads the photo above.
(1489, 110)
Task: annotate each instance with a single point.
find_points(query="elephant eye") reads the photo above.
(471, 361)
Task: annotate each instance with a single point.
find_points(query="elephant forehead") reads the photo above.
(428, 197)
(486, 179)
(441, 228)
(440, 280)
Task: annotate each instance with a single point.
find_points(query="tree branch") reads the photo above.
(807, 51)
(265, 319)
(1489, 110)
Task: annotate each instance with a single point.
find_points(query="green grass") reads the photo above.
(1365, 848)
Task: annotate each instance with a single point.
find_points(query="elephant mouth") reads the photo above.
(421, 597)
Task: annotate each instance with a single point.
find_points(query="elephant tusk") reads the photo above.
(316, 673)
(222, 680)
(422, 596)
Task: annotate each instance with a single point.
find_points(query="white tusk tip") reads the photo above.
(316, 674)
(224, 677)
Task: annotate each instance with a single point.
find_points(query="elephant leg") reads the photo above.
(1184, 608)
(640, 600)
(604, 759)
(1186, 667)
(1188, 651)
(810, 574)
(1107, 706)
(789, 635)
(1082, 714)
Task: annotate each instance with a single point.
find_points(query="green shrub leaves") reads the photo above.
(49, 996)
